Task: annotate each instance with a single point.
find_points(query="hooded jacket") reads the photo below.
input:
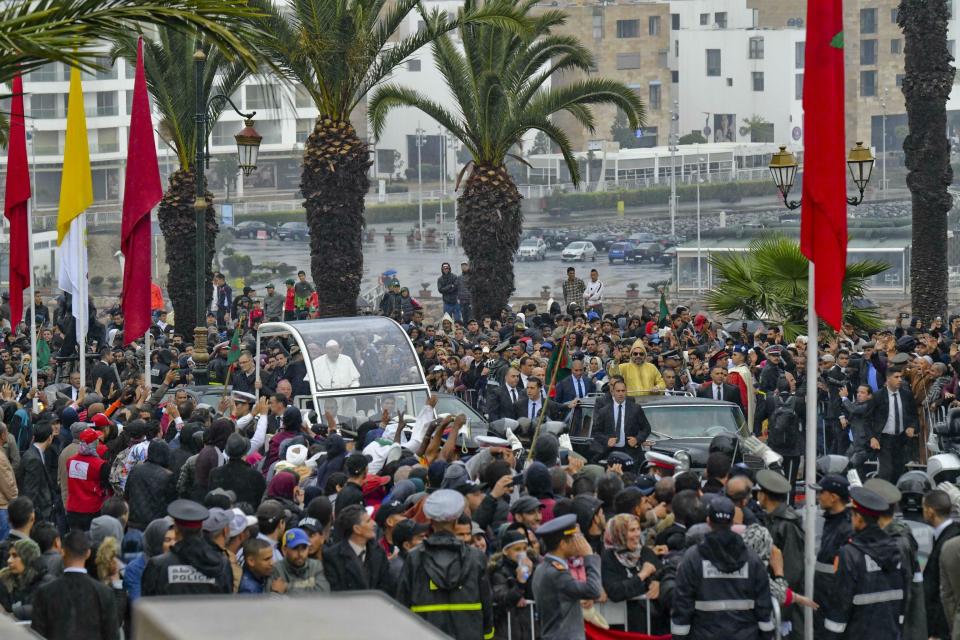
(722, 591)
(447, 286)
(150, 486)
(152, 546)
(915, 612)
(445, 583)
(238, 476)
(192, 566)
(869, 589)
(507, 592)
(309, 578)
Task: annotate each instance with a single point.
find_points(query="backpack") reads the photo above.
(783, 428)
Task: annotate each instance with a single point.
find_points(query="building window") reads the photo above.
(799, 52)
(798, 86)
(654, 92)
(108, 140)
(106, 103)
(868, 52)
(223, 132)
(674, 77)
(868, 83)
(628, 28)
(868, 21)
(720, 19)
(757, 80)
(421, 26)
(756, 49)
(46, 143)
(302, 99)
(109, 70)
(896, 46)
(304, 129)
(952, 47)
(676, 48)
(675, 21)
(43, 105)
(597, 23)
(269, 129)
(704, 19)
(729, 82)
(713, 62)
(894, 13)
(899, 79)
(628, 60)
(413, 65)
(653, 25)
(46, 73)
(261, 97)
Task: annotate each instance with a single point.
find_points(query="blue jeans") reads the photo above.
(453, 310)
(4, 524)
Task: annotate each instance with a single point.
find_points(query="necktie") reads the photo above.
(620, 439)
(513, 394)
(579, 385)
(896, 414)
(533, 410)
(716, 392)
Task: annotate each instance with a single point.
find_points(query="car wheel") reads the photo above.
(593, 258)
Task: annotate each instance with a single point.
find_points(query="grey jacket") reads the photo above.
(950, 584)
(558, 596)
(309, 578)
(273, 306)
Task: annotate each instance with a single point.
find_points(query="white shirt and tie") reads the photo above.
(579, 387)
(717, 392)
(618, 411)
(513, 394)
(533, 409)
(894, 424)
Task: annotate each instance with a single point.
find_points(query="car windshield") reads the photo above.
(576, 245)
(529, 243)
(693, 421)
(617, 247)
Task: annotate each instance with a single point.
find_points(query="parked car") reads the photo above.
(642, 237)
(253, 228)
(648, 252)
(293, 231)
(579, 250)
(557, 238)
(601, 240)
(622, 251)
(532, 249)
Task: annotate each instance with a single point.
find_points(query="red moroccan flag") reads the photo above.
(142, 191)
(15, 204)
(823, 223)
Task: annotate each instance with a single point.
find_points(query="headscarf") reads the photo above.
(758, 538)
(153, 536)
(616, 538)
(29, 553)
(282, 485)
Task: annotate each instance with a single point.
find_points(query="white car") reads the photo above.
(579, 250)
(533, 249)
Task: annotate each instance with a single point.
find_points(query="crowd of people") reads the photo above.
(118, 487)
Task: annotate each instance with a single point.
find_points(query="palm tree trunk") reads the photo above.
(178, 225)
(927, 83)
(490, 222)
(334, 183)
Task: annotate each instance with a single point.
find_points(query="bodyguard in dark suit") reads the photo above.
(576, 385)
(501, 398)
(620, 425)
(936, 513)
(75, 606)
(894, 425)
(717, 389)
(532, 404)
(357, 562)
(33, 475)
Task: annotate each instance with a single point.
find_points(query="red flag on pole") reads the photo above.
(142, 191)
(15, 204)
(823, 223)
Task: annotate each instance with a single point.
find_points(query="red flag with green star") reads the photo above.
(823, 220)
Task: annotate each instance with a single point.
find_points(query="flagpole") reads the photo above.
(810, 457)
(33, 307)
(84, 301)
(147, 380)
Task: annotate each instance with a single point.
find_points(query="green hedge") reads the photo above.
(376, 214)
(728, 192)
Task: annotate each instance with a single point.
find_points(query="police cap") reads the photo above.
(886, 490)
(773, 482)
(868, 502)
(900, 358)
(566, 525)
(187, 514)
(720, 510)
(444, 505)
(834, 484)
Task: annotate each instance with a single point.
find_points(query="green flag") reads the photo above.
(558, 367)
(664, 310)
(234, 353)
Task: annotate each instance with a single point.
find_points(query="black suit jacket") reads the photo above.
(499, 404)
(728, 392)
(634, 424)
(522, 409)
(75, 607)
(566, 392)
(345, 572)
(33, 481)
(881, 408)
(936, 619)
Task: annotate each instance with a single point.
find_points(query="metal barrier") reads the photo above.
(618, 613)
(533, 622)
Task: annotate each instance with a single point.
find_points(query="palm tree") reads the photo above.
(927, 82)
(769, 282)
(168, 66)
(337, 51)
(497, 83)
(35, 32)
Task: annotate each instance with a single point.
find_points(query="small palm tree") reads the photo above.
(769, 282)
(497, 83)
(168, 66)
(337, 51)
(35, 32)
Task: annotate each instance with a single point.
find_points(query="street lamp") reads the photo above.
(883, 152)
(248, 150)
(674, 117)
(783, 168)
(699, 268)
(421, 140)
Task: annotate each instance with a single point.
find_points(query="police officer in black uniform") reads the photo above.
(722, 587)
(833, 494)
(869, 580)
(194, 565)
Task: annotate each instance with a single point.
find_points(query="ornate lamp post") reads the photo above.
(248, 149)
(783, 168)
